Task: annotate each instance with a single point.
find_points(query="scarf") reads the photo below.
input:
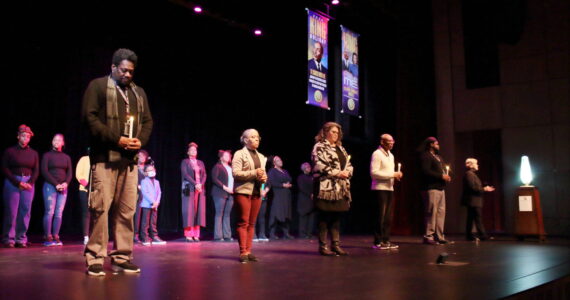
(113, 120)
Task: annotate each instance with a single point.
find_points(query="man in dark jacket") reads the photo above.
(435, 175)
(472, 197)
(117, 115)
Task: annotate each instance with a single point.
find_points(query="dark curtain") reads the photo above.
(207, 80)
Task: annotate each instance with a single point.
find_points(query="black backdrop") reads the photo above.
(208, 79)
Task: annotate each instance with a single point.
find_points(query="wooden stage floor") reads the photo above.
(290, 269)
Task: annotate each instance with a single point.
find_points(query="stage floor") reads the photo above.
(290, 269)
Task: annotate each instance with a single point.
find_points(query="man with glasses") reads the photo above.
(117, 115)
(383, 173)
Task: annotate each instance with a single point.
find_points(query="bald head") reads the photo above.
(387, 142)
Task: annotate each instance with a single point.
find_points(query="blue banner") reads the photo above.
(318, 60)
(350, 89)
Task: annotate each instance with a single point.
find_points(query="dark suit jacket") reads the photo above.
(472, 190)
(313, 66)
(219, 179)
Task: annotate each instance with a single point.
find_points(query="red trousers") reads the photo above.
(248, 208)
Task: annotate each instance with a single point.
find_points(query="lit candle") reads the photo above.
(447, 170)
(131, 123)
(399, 167)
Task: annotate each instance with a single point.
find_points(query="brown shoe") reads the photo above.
(337, 249)
(252, 257)
(324, 251)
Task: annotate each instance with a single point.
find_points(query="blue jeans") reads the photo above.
(17, 207)
(54, 202)
(222, 229)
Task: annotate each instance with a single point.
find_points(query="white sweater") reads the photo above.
(382, 170)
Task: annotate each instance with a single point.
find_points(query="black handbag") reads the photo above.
(186, 189)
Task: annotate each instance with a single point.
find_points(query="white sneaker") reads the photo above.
(157, 241)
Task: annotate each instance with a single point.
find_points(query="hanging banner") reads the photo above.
(350, 94)
(318, 60)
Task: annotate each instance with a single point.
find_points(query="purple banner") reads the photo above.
(318, 60)
(350, 91)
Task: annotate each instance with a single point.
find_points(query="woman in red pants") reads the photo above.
(248, 168)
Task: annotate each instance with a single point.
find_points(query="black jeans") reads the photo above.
(284, 226)
(306, 224)
(474, 217)
(85, 214)
(148, 221)
(260, 233)
(384, 205)
(137, 218)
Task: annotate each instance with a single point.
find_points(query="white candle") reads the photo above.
(131, 123)
(447, 170)
(399, 167)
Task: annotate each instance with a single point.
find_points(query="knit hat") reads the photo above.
(25, 128)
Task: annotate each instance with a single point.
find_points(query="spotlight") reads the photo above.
(257, 32)
(441, 258)
(197, 9)
(335, 2)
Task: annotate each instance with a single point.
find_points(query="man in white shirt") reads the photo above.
(383, 174)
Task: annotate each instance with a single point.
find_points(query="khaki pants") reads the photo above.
(434, 201)
(113, 200)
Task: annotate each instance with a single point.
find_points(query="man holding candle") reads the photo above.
(435, 175)
(383, 175)
(117, 115)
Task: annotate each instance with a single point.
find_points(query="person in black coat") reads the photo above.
(472, 198)
(222, 193)
(280, 183)
(435, 175)
(305, 205)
